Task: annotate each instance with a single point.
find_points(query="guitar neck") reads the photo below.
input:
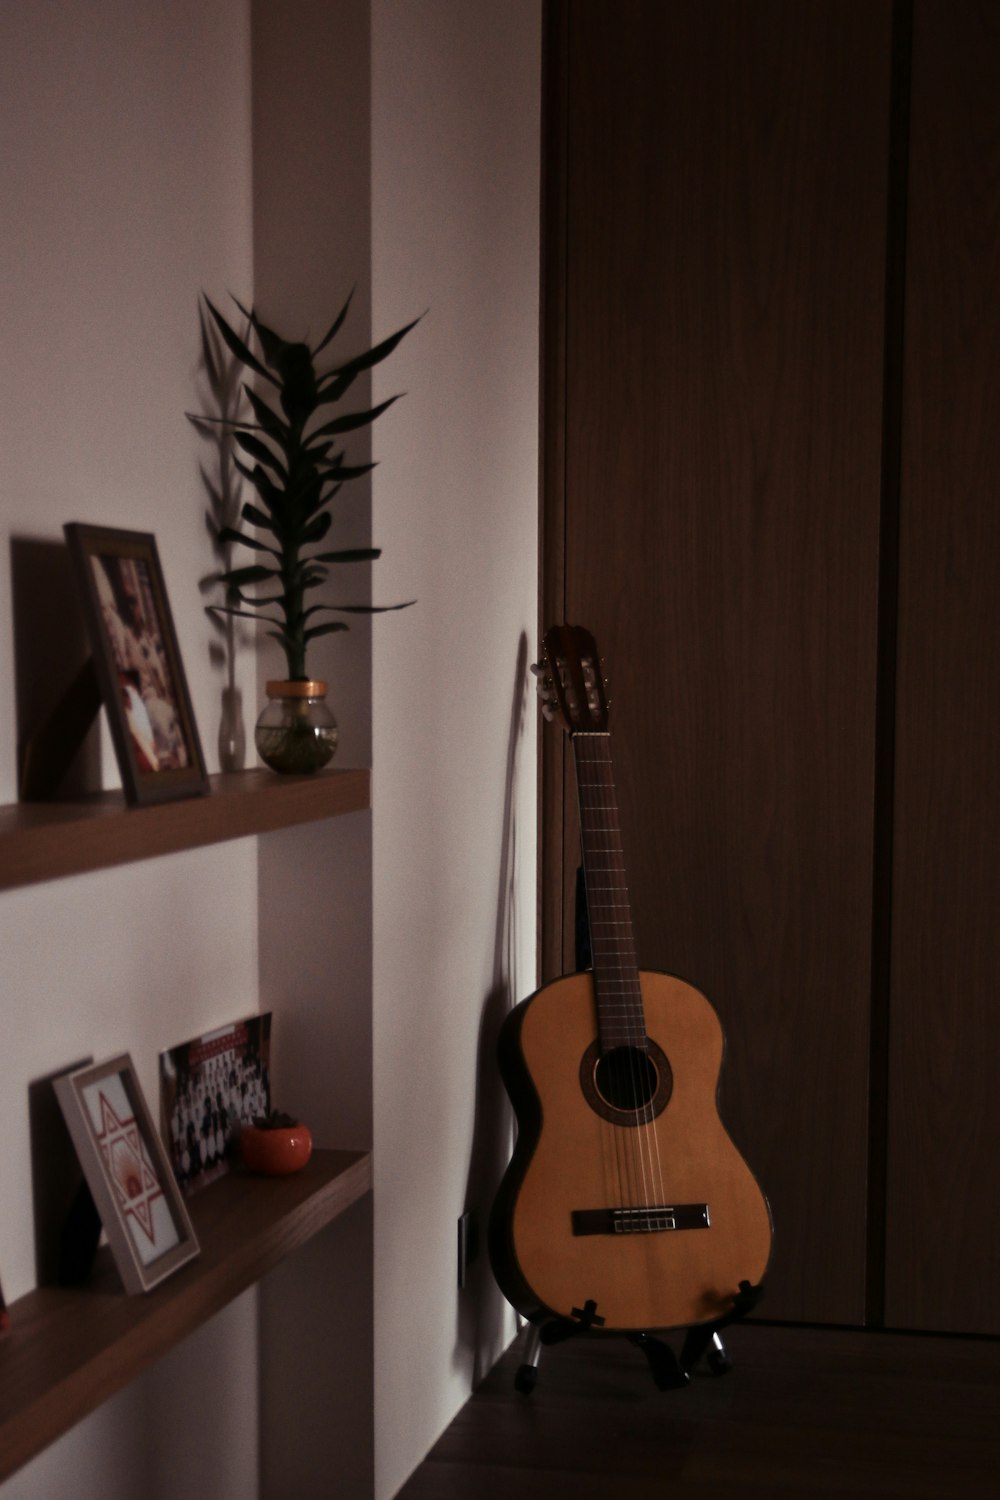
(620, 1017)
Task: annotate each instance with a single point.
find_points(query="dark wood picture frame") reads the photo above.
(128, 1172)
(138, 663)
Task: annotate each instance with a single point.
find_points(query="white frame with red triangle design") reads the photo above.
(127, 1169)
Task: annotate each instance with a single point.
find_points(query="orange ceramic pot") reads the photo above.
(275, 1152)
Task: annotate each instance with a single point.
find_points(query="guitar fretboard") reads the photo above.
(620, 1017)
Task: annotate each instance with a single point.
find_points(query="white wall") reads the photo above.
(312, 244)
(455, 154)
(417, 178)
(125, 183)
(130, 183)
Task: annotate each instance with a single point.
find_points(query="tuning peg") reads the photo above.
(543, 682)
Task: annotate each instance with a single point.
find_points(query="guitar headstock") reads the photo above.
(570, 681)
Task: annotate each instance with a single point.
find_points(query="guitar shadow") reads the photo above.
(483, 1312)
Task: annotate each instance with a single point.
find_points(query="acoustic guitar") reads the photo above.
(626, 1205)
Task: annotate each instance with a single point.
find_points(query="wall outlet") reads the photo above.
(468, 1244)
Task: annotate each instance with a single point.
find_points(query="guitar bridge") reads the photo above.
(653, 1219)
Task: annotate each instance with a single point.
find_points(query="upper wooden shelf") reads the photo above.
(69, 1349)
(46, 840)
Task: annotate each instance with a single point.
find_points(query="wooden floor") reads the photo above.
(803, 1412)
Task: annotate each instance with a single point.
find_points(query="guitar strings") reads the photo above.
(636, 1173)
(652, 1174)
(636, 1148)
(600, 887)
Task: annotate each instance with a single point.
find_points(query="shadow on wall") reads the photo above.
(223, 487)
(57, 1180)
(481, 1303)
(51, 646)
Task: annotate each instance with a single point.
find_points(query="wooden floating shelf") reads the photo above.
(69, 1349)
(47, 840)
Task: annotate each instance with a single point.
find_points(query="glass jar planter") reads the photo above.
(296, 732)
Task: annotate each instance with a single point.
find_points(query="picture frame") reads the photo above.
(128, 1172)
(138, 663)
(210, 1087)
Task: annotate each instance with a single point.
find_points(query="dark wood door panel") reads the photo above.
(944, 1141)
(724, 237)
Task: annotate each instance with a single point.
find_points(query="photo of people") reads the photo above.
(148, 697)
(209, 1087)
(137, 663)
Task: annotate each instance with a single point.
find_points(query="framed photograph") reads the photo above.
(127, 1171)
(138, 663)
(209, 1088)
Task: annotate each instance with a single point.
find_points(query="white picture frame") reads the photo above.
(128, 1172)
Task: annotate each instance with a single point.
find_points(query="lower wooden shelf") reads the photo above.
(68, 1350)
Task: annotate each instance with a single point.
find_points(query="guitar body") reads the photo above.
(669, 1219)
(626, 1206)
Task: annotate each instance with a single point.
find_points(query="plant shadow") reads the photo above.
(223, 398)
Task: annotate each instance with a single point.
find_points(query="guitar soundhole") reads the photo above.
(625, 1078)
(627, 1085)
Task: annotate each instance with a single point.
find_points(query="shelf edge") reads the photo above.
(49, 841)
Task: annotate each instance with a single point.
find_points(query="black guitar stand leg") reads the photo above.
(553, 1331)
(668, 1373)
(666, 1370)
(718, 1357)
(707, 1342)
(527, 1373)
(706, 1339)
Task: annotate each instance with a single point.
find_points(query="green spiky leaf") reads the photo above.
(237, 346)
(270, 493)
(309, 577)
(350, 555)
(244, 614)
(321, 455)
(230, 534)
(326, 629)
(260, 601)
(343, 472)
(317, 529)
(352, 421)
(269, 420)
(256, 573)
(256, 517)
(336, 325)
(368, 360)
(366, 609)
(296, 477)
(256, 449)
(272, 343)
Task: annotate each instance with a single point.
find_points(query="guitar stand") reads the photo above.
(668, 1371)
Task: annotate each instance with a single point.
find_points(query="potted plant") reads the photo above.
(291, 455)
(275, 1144)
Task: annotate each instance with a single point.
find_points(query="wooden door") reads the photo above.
(944, 1141)
(715, 263)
